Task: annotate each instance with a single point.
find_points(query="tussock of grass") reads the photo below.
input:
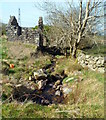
(41, 62)
(67, 64)
(88, 95)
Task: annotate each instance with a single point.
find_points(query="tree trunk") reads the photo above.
(71, 49)
(74, 49)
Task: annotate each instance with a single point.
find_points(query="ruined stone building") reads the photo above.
(25, 34)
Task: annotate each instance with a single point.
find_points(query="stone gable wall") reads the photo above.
(25, 34)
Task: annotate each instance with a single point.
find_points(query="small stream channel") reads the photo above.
(51, 92)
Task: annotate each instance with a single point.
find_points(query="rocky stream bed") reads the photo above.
(43, 87)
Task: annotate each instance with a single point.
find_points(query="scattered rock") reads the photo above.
(40, 75)
(87, 56)
(0, 82)
(19, 85)
(42, 87)
(102, 70)
(51, 85)
(41, 84)
(59, 87)
(66, 90)
(54, 86)
(98, 62)
(30, 78)
(96, 59)
(57, 82)
(45, 102)
(57, 93)
(9, 84)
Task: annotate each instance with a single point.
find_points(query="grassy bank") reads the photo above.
(85, 101)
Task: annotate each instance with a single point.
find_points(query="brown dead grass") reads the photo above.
(18, 50)
(70, 65)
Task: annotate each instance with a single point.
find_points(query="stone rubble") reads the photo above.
(41, 79)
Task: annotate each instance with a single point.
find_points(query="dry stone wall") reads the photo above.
(95, 63)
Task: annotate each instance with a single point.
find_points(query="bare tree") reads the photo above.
(72, 25)
(84, 23)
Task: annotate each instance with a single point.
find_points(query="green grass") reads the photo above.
(97, 50)
(29, 46)
(91, 111)
(86, 99)
(7, 90)
(41, 62)
(93, 75)
(67, 64)
(3, 49)
(28, 110)
(24, 58)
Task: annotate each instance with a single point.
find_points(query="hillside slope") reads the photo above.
(86, 99)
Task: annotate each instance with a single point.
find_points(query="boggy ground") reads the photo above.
(86, 100)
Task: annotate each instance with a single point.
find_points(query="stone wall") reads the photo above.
(95, 63)
(25, 34)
